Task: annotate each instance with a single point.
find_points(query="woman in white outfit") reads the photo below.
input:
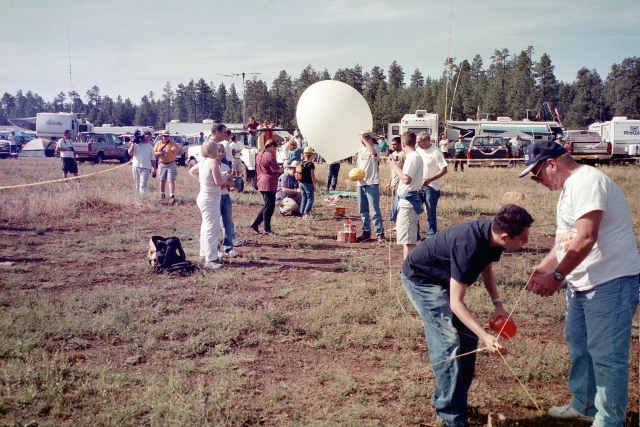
(208, 200)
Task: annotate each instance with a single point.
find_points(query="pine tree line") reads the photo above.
(512, 85)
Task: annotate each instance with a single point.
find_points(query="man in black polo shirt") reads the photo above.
(436, 275)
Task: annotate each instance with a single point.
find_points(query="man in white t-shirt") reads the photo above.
(368, 189)
(141, 153)
(596, 252)
(444, 146)
(67, 154)
(434, 166)
(410, 175)
(248, 157)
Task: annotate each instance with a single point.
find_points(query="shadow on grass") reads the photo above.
(545, 420)
(309, 260)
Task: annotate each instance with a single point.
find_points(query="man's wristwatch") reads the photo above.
(558, 276)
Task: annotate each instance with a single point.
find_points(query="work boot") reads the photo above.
(366, 235)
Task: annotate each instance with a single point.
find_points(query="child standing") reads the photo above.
(307, 181)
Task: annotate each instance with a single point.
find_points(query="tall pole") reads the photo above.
(244, 103)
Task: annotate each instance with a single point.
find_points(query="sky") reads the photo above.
(131, 47)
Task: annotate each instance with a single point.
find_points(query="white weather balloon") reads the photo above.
(331, 115)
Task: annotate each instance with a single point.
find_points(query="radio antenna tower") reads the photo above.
(70, 80)
(244, 90)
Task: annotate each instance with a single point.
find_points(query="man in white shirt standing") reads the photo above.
(141, 151)
(434, 166)
(409, 198)
(444, 146)
(596, 252)
(248, 157)
(67, 154)
(368, 189)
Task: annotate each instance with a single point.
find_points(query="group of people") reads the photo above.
(595, 253)
(595, 256)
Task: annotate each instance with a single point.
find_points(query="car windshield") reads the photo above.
(488, 141)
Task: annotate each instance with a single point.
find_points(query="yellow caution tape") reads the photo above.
(52, 181)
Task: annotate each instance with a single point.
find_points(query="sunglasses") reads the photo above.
(537, 171)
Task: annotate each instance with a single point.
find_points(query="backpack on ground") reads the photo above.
(166, 254)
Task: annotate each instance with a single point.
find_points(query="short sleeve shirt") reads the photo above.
(432, 163)
(142, 156)
(289, 181)
(224, 173)
(66, 143)
(412, 167)
(165, 158)
(395, 156)
(248, 157)
(307, 167)
(228, 150)
(461, 252)
(615, 253)
(369, 164)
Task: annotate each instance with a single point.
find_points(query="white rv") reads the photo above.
(418, 122)
(53, 125)
(540, 131)
(622, 133)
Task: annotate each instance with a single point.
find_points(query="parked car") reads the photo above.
(4, 148)
(484, 149)
(182, 141)
(587, 146)
(99, 147)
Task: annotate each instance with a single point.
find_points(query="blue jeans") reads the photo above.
(332, 179)
(307, 197)
(252, 140)
(430, 198)
(369, 200)
(446, 337)
(394, 208)
(227, 222)
(598, 333)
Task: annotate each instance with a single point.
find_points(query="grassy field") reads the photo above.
(299, 330)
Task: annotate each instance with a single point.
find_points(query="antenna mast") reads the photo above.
(70, 80)
(244, 89)
(448, 64)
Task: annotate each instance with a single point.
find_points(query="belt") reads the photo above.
(168, 163)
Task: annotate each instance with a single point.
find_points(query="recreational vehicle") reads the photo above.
(540, 131)
(418, 122)
(622, 133)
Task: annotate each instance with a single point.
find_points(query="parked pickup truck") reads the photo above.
(587, 146)
(99, 147)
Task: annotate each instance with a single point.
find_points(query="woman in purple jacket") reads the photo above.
(268, 171)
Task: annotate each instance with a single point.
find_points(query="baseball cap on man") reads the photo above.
(539, 151)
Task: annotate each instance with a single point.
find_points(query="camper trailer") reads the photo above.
(623, 134)
(418, 122)
(540, 131)
(53, 125)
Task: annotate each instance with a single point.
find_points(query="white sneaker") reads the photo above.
(212, 265)
(567, 412)
(221, 254)
(231, 254)
(239, 242)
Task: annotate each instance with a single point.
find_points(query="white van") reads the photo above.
(623, 135)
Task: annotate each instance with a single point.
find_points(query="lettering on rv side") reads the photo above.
(633, 130)
(52, 122)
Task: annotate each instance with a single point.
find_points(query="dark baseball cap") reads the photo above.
(539, 151)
